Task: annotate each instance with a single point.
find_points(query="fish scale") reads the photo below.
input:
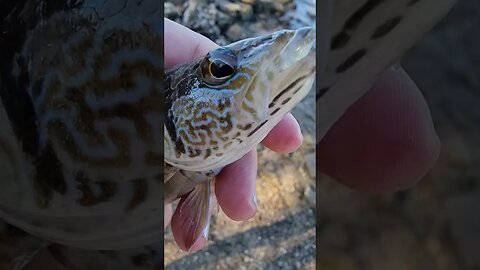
(357, 39)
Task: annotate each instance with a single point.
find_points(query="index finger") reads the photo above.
(183, 45)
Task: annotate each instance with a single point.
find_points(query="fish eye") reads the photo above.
(220, 69)
(218, 66)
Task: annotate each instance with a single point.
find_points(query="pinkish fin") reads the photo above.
(191, 219)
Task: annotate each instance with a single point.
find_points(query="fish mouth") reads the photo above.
(299, 44)
(274, 61)
(294, 63)
(281, 48)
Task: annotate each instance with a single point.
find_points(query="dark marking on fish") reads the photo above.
(412, 2)
(194, 152)
(322, 91)
(89, 198)
(140, 190)
(237, 135)
(340, 40)
(351, 60)
(298, 89)
(179, 146)
(18, 19)
(386, 27)
(173, 91)
(275, 111)
(286, 101)
(257, 128)
(48, 176)
(228, 144)
(245, 127)
(208, 153)
(354, 20)
(141, 260)
(20, 110)
(37, 88)
(286, 90)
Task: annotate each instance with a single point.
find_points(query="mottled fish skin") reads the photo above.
(81, 156)
(366, 38)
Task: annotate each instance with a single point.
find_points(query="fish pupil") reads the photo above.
(220, 69)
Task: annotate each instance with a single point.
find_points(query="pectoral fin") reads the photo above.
(191, 219)
(169, 171)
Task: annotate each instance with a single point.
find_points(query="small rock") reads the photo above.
(236, 32)
(279, 7)
(308, 140)
(247, 259)
(202, 20)
(310, 163)
(241, 10)
(310, 195)
(273, 7)
(223, 19)
(171, 11)
(221, 41)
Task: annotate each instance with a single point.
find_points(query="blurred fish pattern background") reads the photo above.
(434, 225)
(282, 234)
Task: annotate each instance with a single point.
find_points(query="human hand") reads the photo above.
(385, 142)
(235, 185)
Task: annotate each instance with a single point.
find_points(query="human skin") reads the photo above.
(385, 142)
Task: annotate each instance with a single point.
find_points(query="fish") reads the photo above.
(221, 106)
